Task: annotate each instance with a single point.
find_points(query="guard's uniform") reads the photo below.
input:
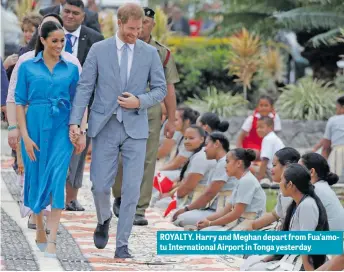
(154, 120)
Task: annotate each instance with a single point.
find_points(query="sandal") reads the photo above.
(50, 255)
(31, 225)
(41, 246)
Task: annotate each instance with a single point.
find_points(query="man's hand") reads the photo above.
(4, 110)
(13, 138)
(169, 129)
(128, 101)
(10, 61)
(81, 144)
(74, 134)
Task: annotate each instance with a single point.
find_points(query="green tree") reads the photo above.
(266, 17)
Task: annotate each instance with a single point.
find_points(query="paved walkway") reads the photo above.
(76, 250)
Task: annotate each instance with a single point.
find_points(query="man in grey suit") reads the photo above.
(119, 68)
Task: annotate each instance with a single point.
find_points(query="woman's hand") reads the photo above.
(74, 134)
(13, 138)
(177, 213)
(10, 61)
(203, 224)
(30, 147)
(269, 258)
(165, 195)
(248, 226)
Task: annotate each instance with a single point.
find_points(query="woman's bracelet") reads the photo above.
(12, 127)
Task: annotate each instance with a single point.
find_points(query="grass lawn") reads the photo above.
(271, 198)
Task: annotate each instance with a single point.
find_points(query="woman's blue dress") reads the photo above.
(49, 96)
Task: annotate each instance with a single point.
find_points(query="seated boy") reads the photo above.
(270, 145)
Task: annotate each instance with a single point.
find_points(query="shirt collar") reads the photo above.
(271, 115)
(223, 158)
(39, 57)
(120, 43)
(271, 132)
(76, 33)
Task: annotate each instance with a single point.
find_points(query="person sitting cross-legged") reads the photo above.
(219, 188)
(248, 201)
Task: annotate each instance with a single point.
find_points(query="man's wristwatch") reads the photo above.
(83, 132)
(139, 107)
(186, 208)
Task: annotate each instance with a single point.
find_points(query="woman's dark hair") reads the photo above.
(46, 29)
(321, 167)
(213, 121)
(202, 134)
(189, 114)
(340, 101)
(55, 16)
(217, 136)
(287, 155)
(268, 98)
(301, 178)
(245, 155)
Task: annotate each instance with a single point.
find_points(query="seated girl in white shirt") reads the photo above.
(305, 213)
(219, 186)
(282, 158)
(322, 179)
(185, 117)
(194, 174)
(248, 200)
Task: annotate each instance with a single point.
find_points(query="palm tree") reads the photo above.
(266, 17)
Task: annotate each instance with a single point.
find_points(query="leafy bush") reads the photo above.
(223, 104)
(307, 100)
(199, 68)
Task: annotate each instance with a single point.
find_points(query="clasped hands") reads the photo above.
(78, 140)
(128, 101)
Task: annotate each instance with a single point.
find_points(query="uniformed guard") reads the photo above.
(154, 119)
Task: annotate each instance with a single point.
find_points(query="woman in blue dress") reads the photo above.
(46, 84)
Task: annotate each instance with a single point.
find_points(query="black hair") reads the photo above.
(321, 167)
(46, 29)
(35, 37)
(55, 16)
(77, 3)
(217, 136)
(245, 155)
(267, 120)
(301, 178)
(203, 134)
(213, 121)
(340, 101)
(189, 114)
(287, 155)
(268, 98)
